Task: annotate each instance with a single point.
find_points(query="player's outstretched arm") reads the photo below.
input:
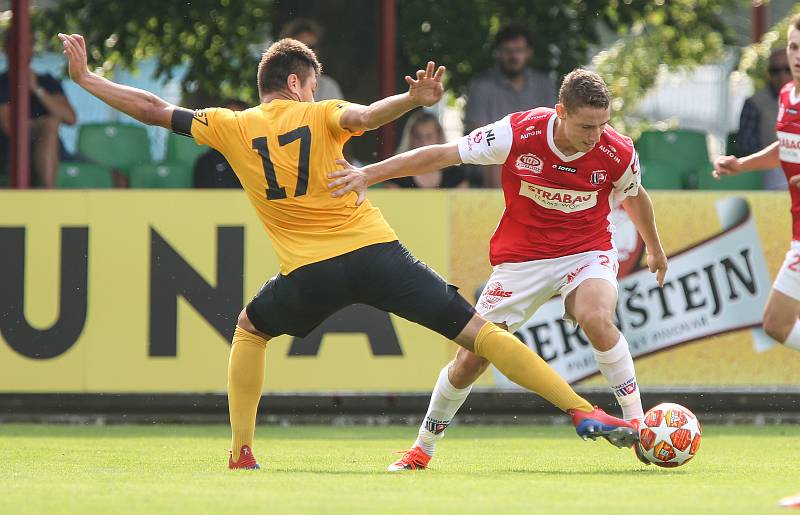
(425, 90)
(640, 211)
(768, 157)
(139, 104)
(414, 162)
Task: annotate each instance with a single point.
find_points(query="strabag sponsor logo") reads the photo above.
(789, 147)
(566, 201)
(529, 163)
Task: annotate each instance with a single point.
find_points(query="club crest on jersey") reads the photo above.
(598, 177)
(529, 163)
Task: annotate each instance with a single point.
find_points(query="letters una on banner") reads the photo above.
(715, 286)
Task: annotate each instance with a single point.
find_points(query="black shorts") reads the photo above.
(384, 275)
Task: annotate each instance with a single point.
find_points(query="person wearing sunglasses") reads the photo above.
(757, 121)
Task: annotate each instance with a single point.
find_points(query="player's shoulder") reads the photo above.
(785, 95)
(523, 119)
(615, 147)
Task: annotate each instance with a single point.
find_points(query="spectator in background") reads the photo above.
(422, 129)
(49, 108)
(310, 34)
(211, 169)
(510, 87)
(757, 121)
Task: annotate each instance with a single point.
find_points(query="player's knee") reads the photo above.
(595, 320)
(245, 323)
(776, 328)
(466, 368)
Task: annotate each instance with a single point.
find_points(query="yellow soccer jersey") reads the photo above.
(282, 151)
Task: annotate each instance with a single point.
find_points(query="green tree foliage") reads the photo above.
(755, 58)
(217, 40)
(648, 33)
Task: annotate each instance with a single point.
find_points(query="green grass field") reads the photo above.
(46, 469)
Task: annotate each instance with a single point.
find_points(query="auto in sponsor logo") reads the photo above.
(564, 168)
(530, 163)
(532, 133)
(610, 151)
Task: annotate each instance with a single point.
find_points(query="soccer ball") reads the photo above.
(669, 435)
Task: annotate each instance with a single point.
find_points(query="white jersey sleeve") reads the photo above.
(628, 184)
(487, 145)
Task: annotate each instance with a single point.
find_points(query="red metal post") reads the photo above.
(758, 23)
(387, 71)
(19, 65)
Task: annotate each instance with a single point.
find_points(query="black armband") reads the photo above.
(182, 121)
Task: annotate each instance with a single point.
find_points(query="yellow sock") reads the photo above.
(523, 366)
(245, 384)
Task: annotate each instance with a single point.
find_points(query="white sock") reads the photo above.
(793, 340)
(616, 365)
(445, 401)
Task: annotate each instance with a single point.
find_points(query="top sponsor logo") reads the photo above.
(529, 163)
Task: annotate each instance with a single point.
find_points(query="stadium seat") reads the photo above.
(746, 181)
(684, 150)
(687, 146)
(115, 145)
(83, 176)
(161, 175)
(181, 149)
(658, 175)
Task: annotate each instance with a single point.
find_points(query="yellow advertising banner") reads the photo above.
(138, 291)
(134, 291)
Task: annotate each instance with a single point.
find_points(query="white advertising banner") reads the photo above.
(715, 286)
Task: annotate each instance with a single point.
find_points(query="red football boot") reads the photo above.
(246, 459)
(413, 459)
(618, 432)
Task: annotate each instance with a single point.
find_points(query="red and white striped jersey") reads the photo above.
(788, 129)
(556, 205)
